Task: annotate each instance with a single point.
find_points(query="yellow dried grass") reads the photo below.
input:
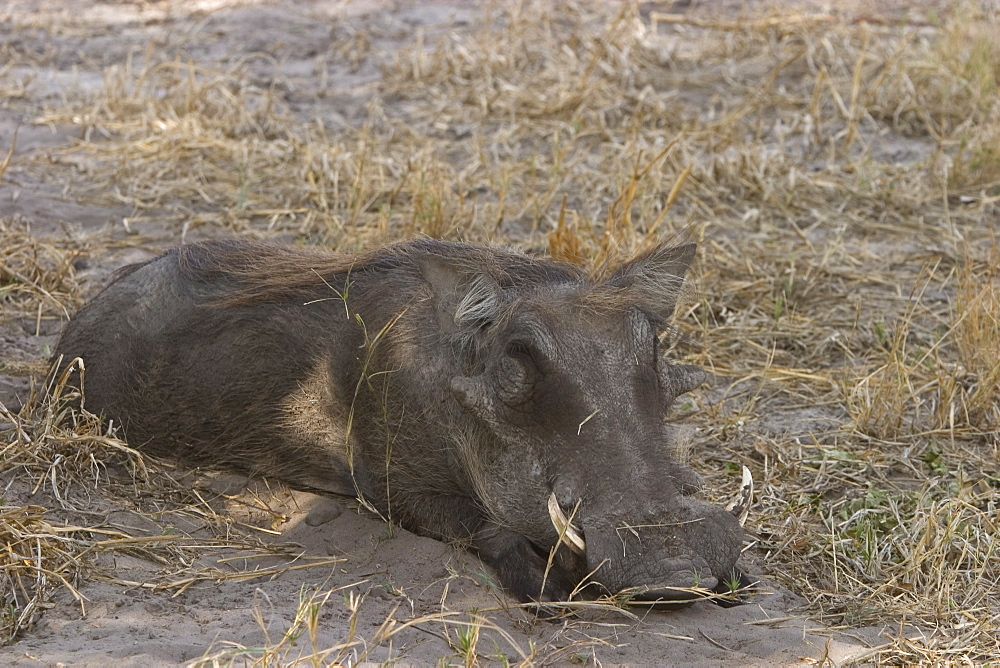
(37, 276)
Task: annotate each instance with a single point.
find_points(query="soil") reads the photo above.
(400, 576)
(397, 575)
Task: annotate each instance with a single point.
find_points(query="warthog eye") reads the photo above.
(521, 351)
(517, 373)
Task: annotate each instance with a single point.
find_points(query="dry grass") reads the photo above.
(40, 552)
(57, 452)
(37, 276)
(473, 637)
(462, 631)
(198, 146)
(840, 171)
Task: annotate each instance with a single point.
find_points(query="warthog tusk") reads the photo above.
(567, 534)
(741, 506)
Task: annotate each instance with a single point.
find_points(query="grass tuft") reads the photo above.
(37, 275)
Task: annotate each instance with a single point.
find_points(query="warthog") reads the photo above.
(466, 393)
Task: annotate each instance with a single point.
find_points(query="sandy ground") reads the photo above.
(401, 577)
(394, 575)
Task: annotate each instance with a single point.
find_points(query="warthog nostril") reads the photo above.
(568, 534)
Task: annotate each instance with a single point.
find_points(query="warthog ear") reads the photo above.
(654, 279)
(465, 297)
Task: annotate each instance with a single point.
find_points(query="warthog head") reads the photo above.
(573, 389)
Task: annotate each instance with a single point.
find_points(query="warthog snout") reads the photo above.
(652, 559)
